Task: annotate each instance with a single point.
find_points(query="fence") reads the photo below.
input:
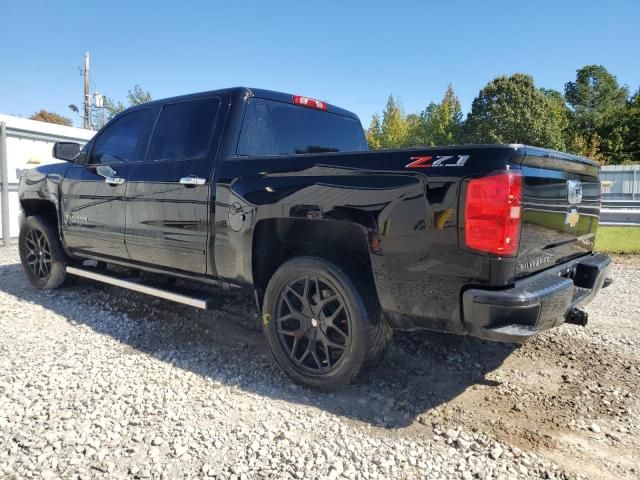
(26, 144)
(620, 182)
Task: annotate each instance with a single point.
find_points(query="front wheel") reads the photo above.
(41, 253)
(322, 329)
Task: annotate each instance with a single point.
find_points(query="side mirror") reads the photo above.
(67, 151)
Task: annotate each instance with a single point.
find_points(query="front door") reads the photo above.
(93, 190)
(168, 197)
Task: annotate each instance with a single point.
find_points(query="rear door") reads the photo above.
(168, 198)
(93, 190)
(561, 209)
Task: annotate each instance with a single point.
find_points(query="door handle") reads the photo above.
(192, 181)
(114, 180)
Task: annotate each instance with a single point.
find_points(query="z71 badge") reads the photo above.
(437, 161)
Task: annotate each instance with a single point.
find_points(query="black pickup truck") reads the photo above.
(279, 194)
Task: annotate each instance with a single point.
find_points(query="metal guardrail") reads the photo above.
(620, 212)
(620, 203)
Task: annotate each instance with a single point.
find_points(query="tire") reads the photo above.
(330, 338)
(41, 253)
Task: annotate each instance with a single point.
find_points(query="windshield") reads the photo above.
(276, 128)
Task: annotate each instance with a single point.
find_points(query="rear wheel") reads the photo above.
(322, 330)
(41, 253)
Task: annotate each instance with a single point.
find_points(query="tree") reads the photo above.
(598, 104)
(632, 128)
(561, 114)
(593, 118)
(586, 146)
(394, 126)
(392, 131)
(442, 122)
(438, 124)
(374, 133)
(134, 97)
(415, 130)
(595, 98)
(512, 110)
(51, 117)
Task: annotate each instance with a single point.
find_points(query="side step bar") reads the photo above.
(203, 303)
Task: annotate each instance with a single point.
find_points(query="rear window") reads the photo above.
(183, 130)
(276, 128)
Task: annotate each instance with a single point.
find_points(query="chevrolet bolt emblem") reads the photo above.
(572, 218)
(574, 191)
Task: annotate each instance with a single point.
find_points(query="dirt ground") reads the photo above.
(570, 395)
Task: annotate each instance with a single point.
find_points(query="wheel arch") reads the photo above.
(48, 210)
(37, 206)
(277, 240)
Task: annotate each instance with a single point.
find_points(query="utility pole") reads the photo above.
(87, 98)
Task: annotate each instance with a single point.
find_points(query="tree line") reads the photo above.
(595, 117)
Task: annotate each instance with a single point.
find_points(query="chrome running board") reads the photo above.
(203, 303)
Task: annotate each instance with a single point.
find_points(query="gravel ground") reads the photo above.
(98, 382)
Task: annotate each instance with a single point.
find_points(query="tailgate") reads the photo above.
(561, 209)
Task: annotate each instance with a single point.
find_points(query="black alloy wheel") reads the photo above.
(323, 323)
(43, 258)
(313, 325)
(38, 253)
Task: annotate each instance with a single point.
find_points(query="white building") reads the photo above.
(28, 143)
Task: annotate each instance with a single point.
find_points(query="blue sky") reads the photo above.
(352, 54)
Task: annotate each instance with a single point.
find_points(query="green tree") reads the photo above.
(598, 105)
(438, 124)
(595, 98)
(443, 121)
(394, 125)
(51, 117)
(561, 114)
(586, 145)
(392, 131)
(374, 133)
(134, 97)
(415, 130)
(512, 110)
(632, 128)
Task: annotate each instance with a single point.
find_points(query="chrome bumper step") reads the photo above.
(139, 286)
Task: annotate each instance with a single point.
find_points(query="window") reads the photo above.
(82, 156)
(123, 139)
(183, 130)
(276, 128)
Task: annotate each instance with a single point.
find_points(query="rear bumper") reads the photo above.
(536, 303)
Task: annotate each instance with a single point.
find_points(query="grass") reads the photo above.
(618, 239)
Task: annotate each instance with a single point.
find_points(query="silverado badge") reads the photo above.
(572, 217)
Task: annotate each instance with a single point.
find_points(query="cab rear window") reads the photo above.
(276, 128)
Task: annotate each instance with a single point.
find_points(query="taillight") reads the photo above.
(493, 212)
(309, 102)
